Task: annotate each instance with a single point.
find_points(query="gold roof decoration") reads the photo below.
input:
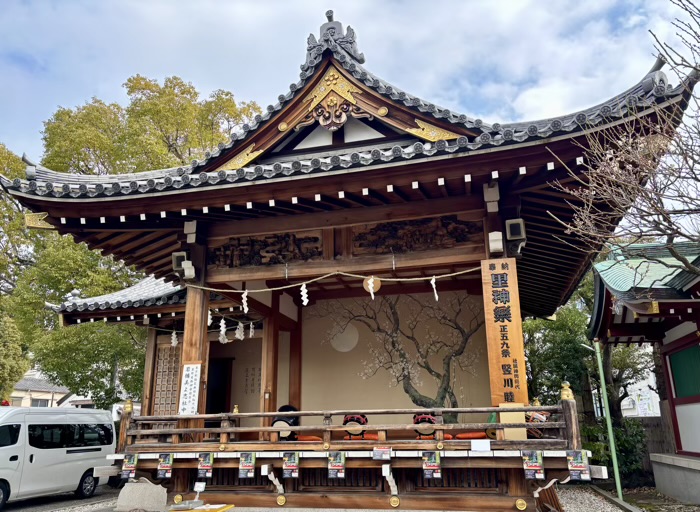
(332, 81)
(241, 159)
(431, 133)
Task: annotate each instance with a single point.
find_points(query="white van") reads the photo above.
(46, 450)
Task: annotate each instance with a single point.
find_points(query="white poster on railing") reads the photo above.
(189, 389)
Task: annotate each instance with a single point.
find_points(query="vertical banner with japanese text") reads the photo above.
(189, 389)
(504, 332)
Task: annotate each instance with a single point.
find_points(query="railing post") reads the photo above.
(439, 420)
(327, 421)
(124, 425)
(572, 434)
(224, 437)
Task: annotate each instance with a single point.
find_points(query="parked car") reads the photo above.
(47, 451)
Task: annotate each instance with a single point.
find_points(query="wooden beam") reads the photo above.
(458, 256)
(149, 372)
(650, 330)
(348, 217)
(270, 349)
(295, 375)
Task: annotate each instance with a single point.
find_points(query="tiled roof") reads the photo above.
(147, 292)
(647, 271)
(342, 45)
(35, 384)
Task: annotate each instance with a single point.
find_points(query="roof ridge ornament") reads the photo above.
(333, 37)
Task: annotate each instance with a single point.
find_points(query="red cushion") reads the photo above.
(309, 438)
(367, 437)
(472, 435)
(432, 436)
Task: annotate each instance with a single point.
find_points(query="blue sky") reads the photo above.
(497, 60)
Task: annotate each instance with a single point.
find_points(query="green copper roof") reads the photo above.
(641, 271)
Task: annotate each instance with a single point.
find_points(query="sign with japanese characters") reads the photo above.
(504, 332)
(165, 465)
(246, 465)
(336, 465)
(189, 389)
(577, 461)
(290, 465)
(431, 465)
(533, 464)
(129, 465)
(205, 465)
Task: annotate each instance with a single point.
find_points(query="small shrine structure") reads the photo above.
(361, 259)
(645, 294)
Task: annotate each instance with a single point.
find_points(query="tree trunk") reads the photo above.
(613, 390)
(587, 400)
(659, 373)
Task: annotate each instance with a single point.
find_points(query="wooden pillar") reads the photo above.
(270, 349)
(195, 339)
(149, 373)
(295, 339)
(573, 433)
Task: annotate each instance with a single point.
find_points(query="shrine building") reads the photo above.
(347, 278)
(646, 295)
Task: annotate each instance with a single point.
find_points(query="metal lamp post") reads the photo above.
(608, 420)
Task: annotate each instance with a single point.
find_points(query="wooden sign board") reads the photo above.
(504, 332)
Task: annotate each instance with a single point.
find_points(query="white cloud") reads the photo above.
(501, 61)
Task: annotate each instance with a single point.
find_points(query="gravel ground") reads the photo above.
(581, 499)
(105, 499)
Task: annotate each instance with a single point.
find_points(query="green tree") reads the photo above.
(161, 126)
(103, 361)
(554, 353)
(17, 243)
(99, 360)
(13, 362)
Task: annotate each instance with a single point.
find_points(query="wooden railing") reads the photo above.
(189, 433)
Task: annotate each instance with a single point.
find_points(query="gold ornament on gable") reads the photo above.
(241, 159)
(331, 102)
(429, 132)
(36, 221)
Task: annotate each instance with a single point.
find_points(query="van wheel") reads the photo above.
(4, 494)
(87, 485)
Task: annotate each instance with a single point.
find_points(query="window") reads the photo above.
(9, 435)
(36, 402)
(47, 437)
(684, 370)
(16, 402)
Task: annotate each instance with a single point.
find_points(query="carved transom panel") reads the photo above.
(253, 251)
(415, 235)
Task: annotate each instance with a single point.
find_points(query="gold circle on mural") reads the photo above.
(326, 446)
(382, 111)
(281, 500)
(377, 284)
(282, 127)
(394, 501)
(440, 446)
(520, 504)
(177, 499)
